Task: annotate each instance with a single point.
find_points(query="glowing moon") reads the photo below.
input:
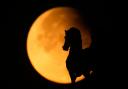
(46, 38)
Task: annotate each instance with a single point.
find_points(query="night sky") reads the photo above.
(18, 72)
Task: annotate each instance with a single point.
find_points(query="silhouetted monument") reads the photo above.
(79, 60)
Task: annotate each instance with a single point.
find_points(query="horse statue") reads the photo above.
(78, 61)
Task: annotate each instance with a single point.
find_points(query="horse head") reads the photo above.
(72, 37)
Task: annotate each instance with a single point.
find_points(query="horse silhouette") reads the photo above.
(79, 60)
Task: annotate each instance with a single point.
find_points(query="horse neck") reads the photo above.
(75, 48)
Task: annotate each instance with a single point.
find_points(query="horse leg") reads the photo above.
(72, 76)
(87, 75)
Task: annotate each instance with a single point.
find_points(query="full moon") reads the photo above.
(46, 38)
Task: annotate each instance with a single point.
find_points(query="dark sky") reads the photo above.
(18, 72)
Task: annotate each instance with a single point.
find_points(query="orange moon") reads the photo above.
(46, 38)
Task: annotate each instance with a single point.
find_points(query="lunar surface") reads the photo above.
(46, 38)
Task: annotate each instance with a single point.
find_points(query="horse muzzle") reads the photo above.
(66, 49)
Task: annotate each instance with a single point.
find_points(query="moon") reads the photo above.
(46, 38)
